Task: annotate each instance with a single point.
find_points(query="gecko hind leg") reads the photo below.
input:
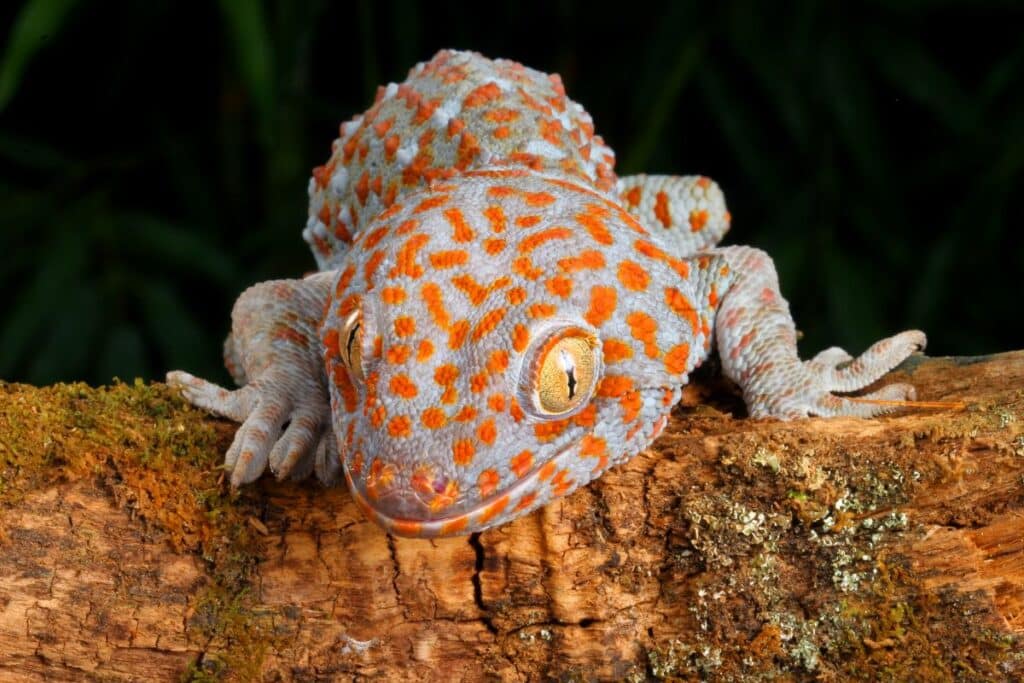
(686, 214)
(756, 339)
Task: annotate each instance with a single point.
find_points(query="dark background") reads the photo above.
(154, 156)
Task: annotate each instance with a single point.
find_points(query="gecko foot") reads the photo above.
(290, 436)
(810, 388)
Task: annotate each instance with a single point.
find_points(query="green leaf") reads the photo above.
(250, 37)
(37, 23)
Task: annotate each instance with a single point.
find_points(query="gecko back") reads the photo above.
(457, 112)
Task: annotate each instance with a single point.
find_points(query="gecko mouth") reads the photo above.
(519, 498)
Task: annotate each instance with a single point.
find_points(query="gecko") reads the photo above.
(497, 318)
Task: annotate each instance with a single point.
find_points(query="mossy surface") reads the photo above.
(159, 459)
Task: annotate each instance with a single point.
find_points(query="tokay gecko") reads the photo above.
(497, 318)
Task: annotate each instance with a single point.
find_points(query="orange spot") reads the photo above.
(501, 132)
(481, 95)
(457, 334)
(546, 471)
(588, 260)
(498, 361)
(356, 466)
(643, 328)
(407, 226)
(541, 310)
(546, 431)
(633, 277)
(586, 417)
(661, 209)
(363, 187)
(372, 264)
(401, 385)
(614, 386)
(374, 238)
(521, 463)
(405, 326)
(487, 323)
(455, 526)
(713, 296)
(592, 446)
(432, 297)
(677, 359)
(487, 432)
(631, 404)
(478, 382)
(392, 295)
(516, 412)
(616, 350)
(345, 388)
(467, 414)
(560, 485)
(520, 338)
(448, 259)
(516, 296)
(703, 183)
(468, 285)
(493, 510)
(406, 259)
(527, 221)
(535, 240)
(501, 191)
(462, 231)
(463, 452)
(431, 202)
(425, 350)
(682, 307)
(559, 286)
(698, 219)
(496, 217)
(591, 219)
(504, 115)
(455, 127)
(397, 354)
(399, 426)
(538, 198)
(488, 482)
(633, 196)
(434, 418)
(496, 402)
(525, 502)
(524, 266)
(602, 304)
(446, 374)
(407, 527)
(377, 417)
(494, 246)
(391, 146)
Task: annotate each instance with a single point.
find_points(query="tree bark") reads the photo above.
(738, 549)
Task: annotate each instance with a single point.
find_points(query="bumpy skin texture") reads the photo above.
(465, 224)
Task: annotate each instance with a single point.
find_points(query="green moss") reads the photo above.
(159, 458)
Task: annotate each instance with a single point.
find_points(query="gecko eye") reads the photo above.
(352, 345)
(565, 372)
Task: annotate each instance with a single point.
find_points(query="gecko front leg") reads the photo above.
(283, 406)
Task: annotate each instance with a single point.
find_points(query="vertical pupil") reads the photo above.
(351, 340)
(571, 372)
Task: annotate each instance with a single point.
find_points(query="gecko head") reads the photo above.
(485, 357)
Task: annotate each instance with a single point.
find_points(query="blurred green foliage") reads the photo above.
(154, 156)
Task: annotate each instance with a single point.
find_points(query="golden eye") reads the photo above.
(352, 345)
(567, 372)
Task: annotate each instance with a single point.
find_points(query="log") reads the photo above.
(732, 549)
